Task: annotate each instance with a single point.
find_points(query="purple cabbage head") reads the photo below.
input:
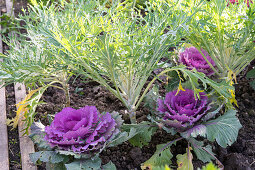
(182, 110)
(82, 131)
(192, 58)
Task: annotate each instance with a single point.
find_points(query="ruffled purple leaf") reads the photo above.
(182, 110)
(192, 58)
(82, 131)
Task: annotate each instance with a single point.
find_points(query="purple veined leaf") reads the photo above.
(199, 130)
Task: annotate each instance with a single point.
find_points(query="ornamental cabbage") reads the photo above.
(182, 110)
(192, 58)
(82, 131)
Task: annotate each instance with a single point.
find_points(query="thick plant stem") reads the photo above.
(132, 117)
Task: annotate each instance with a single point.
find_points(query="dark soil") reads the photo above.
(13, 136)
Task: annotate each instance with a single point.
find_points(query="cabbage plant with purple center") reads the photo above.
(192, 58)
(82, 131)
(182, 110)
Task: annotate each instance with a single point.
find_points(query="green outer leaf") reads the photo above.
(74, 166)
(122, 137)
(251, 74)
(224, 129)
(109, 166)
(201, 154)
(55, 166)
(85, 164)
(143, 137)
(141, 133)
(185, 161)
(37, 135)
(252, 84)
(160, 157)
(34, 157)
(47, 156)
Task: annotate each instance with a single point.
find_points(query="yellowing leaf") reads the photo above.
(231, 76)
(185, 161)
(188, 45)
(34, 2)
(210, 166)
(180, 88)
(159, 159)
(167, 167)
(21, 110)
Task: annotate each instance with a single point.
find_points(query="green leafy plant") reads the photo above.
(34, 63)
(69, 151)
(108, 44)
(8, 24)
(116, 46)
(182, 114)
(226, 32)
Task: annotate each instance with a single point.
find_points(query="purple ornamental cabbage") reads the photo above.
(82, 131)
(182, 110)
(192, 58)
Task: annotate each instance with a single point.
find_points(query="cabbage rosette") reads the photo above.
(81, 131)
(182, 111)
(192, 58)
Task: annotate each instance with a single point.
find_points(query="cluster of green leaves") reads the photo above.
(117, 46)
(220, 128)
(58, 159)
(34, 62)
(7, 23)
(226, 32)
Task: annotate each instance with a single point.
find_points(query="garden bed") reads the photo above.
(239, 156)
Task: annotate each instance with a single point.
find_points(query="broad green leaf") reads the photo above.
(109, 166)
(122, 137)
(224, 129)
(76, 165)
(34, 157)
(185, 161)
(48, 157)
(143, 137)
(203, 153)
(251, 74)
(37, 135)
(85, 164)
(252, 84)
(55, 166)
(161, 158)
